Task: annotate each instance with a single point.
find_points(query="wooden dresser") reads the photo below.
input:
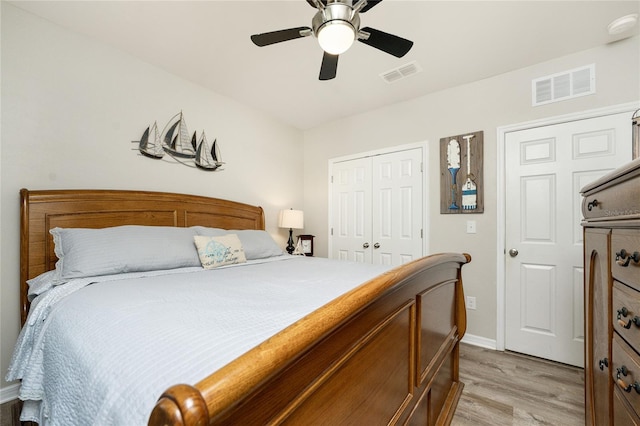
(611, 211)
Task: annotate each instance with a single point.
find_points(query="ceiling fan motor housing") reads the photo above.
(336, 13)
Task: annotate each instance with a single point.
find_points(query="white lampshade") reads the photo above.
(336, 37)
(292, 219)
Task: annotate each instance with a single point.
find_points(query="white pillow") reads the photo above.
(209, 232)
(131, 248)
(257, 243)
(219, 251)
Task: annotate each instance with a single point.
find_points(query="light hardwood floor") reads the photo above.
(506, 388)
(9, 414)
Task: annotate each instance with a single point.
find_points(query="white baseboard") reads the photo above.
(479, 341)
(9, 393)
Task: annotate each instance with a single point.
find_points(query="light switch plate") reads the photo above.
(471, 227)
(471, 303)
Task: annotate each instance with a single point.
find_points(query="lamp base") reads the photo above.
(290, 247)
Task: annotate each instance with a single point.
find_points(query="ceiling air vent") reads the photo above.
(399, 73)
(565, 85)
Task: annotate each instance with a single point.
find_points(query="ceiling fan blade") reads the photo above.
(273, 37)
(370, 4)
(389, 43)
(329, 66)
(314, 6)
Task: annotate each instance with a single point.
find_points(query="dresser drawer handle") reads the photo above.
(623, 258)
(626, 387)
(603, 363)
(592, 204)
(635, 320)
(623, 312)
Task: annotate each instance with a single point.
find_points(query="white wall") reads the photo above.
(483, 105)
(71, 108)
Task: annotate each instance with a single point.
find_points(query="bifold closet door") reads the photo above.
(377, 208)
(397, 207)
(351, 210)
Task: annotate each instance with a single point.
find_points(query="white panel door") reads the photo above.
(545, 169)
(376, 208)
(351, 210)
(397, 211)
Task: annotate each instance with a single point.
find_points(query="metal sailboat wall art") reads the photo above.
(150, 145)
(174, 140)
(205, 158)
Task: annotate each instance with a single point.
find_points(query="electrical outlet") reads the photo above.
(471, 302)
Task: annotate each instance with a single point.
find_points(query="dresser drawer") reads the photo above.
(626, 372)
(625, 249)
(606, 200)
(625, 311)
(623, 415)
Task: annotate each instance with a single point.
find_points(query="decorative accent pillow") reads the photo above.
(84, 252)
(257, 244)
(219, 251)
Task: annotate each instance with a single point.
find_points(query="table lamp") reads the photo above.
(292, 219)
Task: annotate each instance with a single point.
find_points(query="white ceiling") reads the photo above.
(455, 42)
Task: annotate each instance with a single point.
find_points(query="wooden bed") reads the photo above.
(384, 353)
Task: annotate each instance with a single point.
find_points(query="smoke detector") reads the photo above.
(622, 24)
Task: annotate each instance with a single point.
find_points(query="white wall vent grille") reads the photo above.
(401, 72)
(565, 85)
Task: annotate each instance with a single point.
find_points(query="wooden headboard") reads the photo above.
(41, 211)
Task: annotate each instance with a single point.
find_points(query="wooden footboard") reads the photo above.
(384, 353)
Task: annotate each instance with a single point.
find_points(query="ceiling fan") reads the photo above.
(336, 25)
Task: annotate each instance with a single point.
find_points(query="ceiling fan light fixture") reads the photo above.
(336, 37)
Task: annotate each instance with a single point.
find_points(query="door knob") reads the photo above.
(365, 245)
(376, 245)
(513, 252)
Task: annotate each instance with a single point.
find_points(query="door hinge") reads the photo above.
(331, 231)
(421, 234)
(421, 167)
